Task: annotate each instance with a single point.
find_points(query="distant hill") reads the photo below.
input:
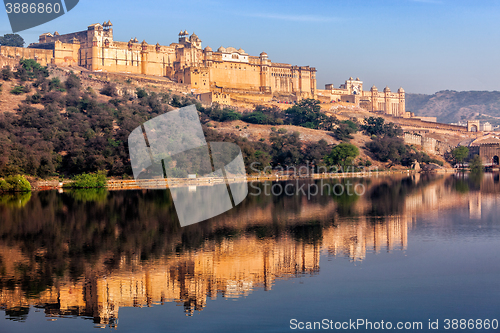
(452, 106)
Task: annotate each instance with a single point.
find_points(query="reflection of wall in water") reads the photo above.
(475, 205)
(234, 266)
(356, 239)
(231, 268)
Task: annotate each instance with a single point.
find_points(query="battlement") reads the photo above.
(429, 145)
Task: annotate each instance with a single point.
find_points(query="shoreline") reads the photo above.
(118, 184)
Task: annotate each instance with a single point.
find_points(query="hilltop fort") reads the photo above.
(215, 76)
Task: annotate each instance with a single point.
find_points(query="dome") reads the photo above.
(351, 78)
(109, 23)
(357, 79)
(56, 33)
(386, 89)
(401, 90)
(208, 49)
(136, 40)
(263, 54)
(181, 33)
(373, 88)
(241, 51)
(221, 49)
(185, 32)
(144, 42)
(194, 35)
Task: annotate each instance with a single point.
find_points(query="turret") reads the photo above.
(144, 57)
(265, 81)
(183, 37)
(95, 53)
(208, 56)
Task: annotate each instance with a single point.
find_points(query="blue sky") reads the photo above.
(422, 45)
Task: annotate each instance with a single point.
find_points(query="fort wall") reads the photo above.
(184, 62)
(429, 145)
(43, 57)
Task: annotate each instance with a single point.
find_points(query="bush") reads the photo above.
(476, 166)
(6, 73)
(388, 148)
(376, 126)
(73, 82)
(17, 90)
(342, 155)
(282, 131)
(89, 180)
(141, 93)
(109, 89)
(55, 84)
(345, 129)
(15, 184)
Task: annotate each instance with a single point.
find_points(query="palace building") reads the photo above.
(214, 75)
(373, 100)
(185, 62)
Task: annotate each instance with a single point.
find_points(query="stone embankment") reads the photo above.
(114, 184)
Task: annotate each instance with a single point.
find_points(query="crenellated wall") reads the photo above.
(429, 145)
(184, 62)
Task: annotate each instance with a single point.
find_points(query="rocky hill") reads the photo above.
(452, 106)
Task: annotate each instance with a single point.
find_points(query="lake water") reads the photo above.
(408, 251)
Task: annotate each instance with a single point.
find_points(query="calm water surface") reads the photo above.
(409, 250)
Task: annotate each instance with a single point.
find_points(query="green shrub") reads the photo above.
(89, 180)
(15, 200)
(141, 93)
(109, 89)
(15, 184)
(476, 165)
(6, 74)
(17, 90)
(282, 130)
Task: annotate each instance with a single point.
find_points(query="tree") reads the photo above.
(476, 166)
(12, 40)
(376, 126)
(345, 129)
(460, 153)
(342, 155)
(387, 148)
(109, 89)
(6, 73)
(307, 113)
(73, 82)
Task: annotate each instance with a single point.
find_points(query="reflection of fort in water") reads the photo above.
(233, 266)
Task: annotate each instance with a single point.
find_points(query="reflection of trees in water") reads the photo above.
(66, 234)
(15, 200)
(90, 194)
(464, 182)
(389, 197)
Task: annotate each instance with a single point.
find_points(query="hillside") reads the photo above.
(452, 106)
(57, 123)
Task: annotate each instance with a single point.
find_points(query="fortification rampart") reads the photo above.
(43, 57)
(6, 61)
(429, 145)
(407, 122)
